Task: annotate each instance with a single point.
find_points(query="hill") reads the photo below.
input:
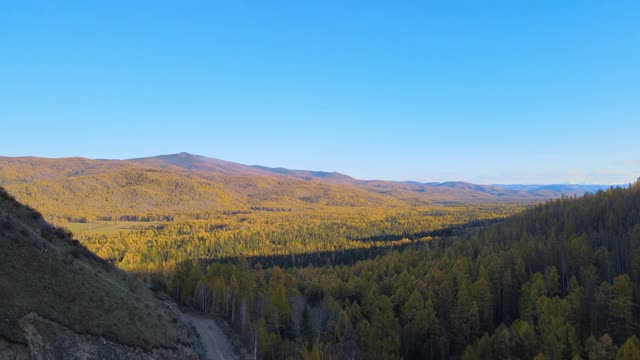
(547, 190)
(188, 161)
(57, 298)
(190, 185)
(165, 187)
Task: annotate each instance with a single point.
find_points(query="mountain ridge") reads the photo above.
(168, 160)
(190, 184)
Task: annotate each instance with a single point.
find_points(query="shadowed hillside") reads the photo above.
(58, 297)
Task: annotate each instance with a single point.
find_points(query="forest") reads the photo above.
(314, 270)
(298, 237)
(320, 180)
(560, 280)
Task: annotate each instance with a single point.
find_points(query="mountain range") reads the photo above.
(185, 184)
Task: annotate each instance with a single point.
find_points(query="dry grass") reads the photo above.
(106, 227)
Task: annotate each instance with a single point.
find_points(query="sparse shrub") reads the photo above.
(62, 233)
(35, 215)
(6, 225)
(157, 285)
(5, 195)
(47, 233)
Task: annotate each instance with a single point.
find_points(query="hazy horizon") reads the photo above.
(330, 171)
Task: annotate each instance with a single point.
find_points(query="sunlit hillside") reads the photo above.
(190, 186)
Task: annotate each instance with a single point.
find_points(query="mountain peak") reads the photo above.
(185, 154)
(190, 161)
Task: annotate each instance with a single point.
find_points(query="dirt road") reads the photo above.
(213, 338)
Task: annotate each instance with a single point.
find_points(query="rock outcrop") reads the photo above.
(48, 340)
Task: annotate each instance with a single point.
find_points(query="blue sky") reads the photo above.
(482, 91)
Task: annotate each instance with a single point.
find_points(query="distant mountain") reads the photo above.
(186, 184)
(201, 163)
(307, 174)
(566, 189)
(188, 161)
(57, 298)
(517, 190)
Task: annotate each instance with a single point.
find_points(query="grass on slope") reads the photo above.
(43, 270)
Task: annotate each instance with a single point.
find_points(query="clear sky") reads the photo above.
(482, 91)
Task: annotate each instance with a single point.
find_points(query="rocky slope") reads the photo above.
(58, 300)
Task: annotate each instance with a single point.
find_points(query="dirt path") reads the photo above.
(213, 338)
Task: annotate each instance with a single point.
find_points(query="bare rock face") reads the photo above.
(48, 340)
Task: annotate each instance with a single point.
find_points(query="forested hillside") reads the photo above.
(558, 281)
(185, 186)
(81, 190)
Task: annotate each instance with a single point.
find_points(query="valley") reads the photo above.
(319, 180)
(319, 265)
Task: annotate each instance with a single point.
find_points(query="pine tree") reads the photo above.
(621, 308)
(630, 350)
(482, 297)
(465, 318)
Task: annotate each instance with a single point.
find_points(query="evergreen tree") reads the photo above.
(621, 308)
(630, 350)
